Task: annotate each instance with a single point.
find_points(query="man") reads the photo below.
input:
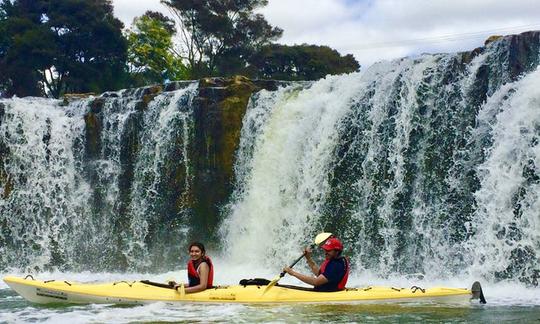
(333, 273)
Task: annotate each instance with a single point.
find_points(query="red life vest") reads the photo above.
(193, 275)
(343, 281)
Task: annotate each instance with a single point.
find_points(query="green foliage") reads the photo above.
(299, 62)
(3, 43)
(151, 54)
(219, 35)
(54, 47)
(19, 24)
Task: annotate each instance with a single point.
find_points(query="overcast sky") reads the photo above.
(374, 30)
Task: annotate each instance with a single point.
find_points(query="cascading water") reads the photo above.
(506, 224)
(87, 185)
(407, 162)
(44, 145)
(424, 164)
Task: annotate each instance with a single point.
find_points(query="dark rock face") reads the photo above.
(4, 179)
(218, 111)
(523, 53)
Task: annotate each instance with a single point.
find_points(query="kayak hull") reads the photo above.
(136, 292)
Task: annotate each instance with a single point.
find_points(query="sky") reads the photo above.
(375, 30)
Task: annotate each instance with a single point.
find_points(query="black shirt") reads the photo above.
(334, 272)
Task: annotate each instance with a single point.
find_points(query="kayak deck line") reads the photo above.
(140, 292)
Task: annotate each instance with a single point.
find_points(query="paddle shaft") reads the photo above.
(282, 274)
(320, 239)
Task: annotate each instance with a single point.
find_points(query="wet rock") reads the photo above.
(93, 135)
(523, 53)
(150, 93)
(71, 97)
(219, 110)
(176, 85)
(492, 38)
(97, 105)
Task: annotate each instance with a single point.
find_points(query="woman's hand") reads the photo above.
(288, 270)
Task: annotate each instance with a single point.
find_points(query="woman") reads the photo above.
(200, 269)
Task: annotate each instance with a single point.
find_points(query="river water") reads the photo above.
(506, 302)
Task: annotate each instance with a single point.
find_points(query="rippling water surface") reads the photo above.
(507, 302)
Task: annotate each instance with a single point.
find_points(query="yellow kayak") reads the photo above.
(139, 292)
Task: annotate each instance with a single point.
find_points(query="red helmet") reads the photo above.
(332, 244)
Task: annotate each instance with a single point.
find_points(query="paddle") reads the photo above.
(181, 290)
(319, 240)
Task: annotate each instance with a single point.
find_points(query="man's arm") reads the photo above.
(310, 280)
(314, 267)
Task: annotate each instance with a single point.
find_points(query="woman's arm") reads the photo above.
(204, 270)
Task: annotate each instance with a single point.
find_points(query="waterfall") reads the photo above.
(506, 224)
(92, 184)
(44, 144)
(427, 164)
(424, 164)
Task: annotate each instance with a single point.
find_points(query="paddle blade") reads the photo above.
(271, 284)
(321, 238)
(181, 291)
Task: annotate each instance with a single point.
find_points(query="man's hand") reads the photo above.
(307, 252)
(314, 268)
(288, 270)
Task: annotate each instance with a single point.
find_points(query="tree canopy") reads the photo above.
(218, 36)
(54, 47)
(299, 62)
(151, 54)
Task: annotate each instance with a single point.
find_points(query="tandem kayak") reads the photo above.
(140, 292)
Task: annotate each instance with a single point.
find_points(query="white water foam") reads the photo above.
(513, 117)
(51, 197)
(287, 179)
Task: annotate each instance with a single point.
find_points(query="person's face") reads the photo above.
(195, 253)
(330, 254)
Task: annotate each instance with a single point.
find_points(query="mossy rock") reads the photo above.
(96, 106)
(71, 97)
(93, 135)
(492, 38)
(150, 93)
(467, 57)
(5, 182)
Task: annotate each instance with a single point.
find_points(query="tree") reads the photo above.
(59, 46)
(299, 62)
(3, 47)
(151, 54)
(218, 36)
(19, 58)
